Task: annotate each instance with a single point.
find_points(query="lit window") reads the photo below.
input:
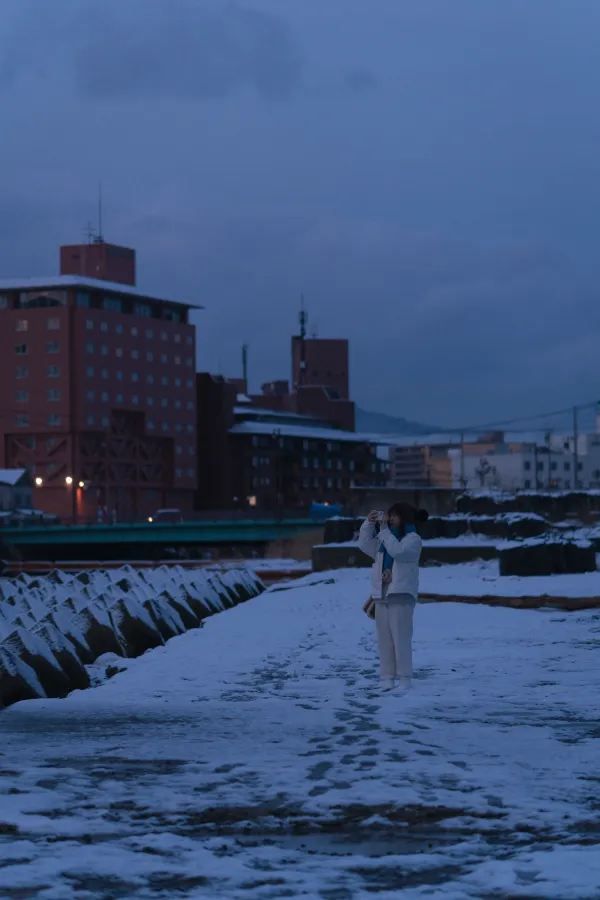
(53, 324)
(22, 325)
(190, 473)
(22, 396)
(179, 428)
(22, 420)
(189, 428)
(21, 349)
(178, 473)
(53, 419)
(22, 371)
(53, 371)
(54, 394)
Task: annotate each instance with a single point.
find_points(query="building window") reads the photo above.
(164, 426)
(164, 380)
(104, 326)
(135, 354)
(21, 349)
(151, 424)
(567, 467)
(143, 309)
(53, 324)
(104, 421)
(135, 399)
(135, 376)
(189, 340)
(134, 331)
(178, 382)
(527, 465)
(22, 420)
(553, 466)
(540, 467)
(149, 333)
(177, 338)
(22, 396)
(104, 350)
(22, 372)
(119, 328)
(90, 395)
(53, 394)
(178, 450)
(149, 401)
(104, 373)
(164, 402)
(163, 335)
(119, 398)
(188, 383)
(53, 419)
(90, 420)
(90, 347)
(164, 358)
(113, 304)
(190, 473)
(178, 404)
(90, 371)
(189, 405)
(89, 324)
(119, 352)
(104, 396)
(119, 375)
(527, 483)
(22, 325)
(177, 360)
(82, 300)
(150, 356)
(189, 361)
(53, 371)
(149, 379)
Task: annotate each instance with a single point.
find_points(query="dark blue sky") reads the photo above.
(426, 172)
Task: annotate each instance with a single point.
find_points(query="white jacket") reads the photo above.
(405, 553)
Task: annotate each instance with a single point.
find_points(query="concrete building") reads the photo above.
(98, 395)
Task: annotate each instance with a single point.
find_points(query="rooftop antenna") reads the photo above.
(245, 366)
(303, 324)
(99, 239)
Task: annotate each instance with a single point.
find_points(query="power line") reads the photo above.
(531, 418)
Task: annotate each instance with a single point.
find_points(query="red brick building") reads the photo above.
(320, 383)
(98, 394)
(275, 460)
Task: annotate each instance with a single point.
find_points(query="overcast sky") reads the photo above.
(426, 172)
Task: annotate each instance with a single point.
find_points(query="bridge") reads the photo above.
(151, 540)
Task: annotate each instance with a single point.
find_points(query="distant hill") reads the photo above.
(380, 423)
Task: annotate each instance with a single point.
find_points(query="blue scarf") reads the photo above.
(399, 533)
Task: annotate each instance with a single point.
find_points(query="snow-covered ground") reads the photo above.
(254, 758)
(480, 578)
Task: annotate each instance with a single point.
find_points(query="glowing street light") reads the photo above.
(69, 480)
(81, 484)
(39, 481)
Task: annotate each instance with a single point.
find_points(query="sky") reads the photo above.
(425, 172)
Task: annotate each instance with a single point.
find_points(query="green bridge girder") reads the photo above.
(197, 532)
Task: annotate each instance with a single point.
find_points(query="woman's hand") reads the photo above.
(373, 517)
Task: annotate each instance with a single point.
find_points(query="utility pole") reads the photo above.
(462, 460)
(303, 324)
(575, 450)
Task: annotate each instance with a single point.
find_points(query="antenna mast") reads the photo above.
(303, 324)
(99, 237)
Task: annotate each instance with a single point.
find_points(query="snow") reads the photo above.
(253, 758)
(481, 578)
(65, 281)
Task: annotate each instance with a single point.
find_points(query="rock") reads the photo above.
(35, 653)
(547, 558)
(17, 680)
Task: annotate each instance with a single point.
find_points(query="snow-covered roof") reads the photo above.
(65, 281)
(301, 431)
(11, 476)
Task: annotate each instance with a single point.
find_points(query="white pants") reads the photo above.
(394, 622)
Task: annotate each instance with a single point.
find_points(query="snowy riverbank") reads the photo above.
(252, 758)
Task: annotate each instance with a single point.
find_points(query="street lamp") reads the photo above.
(69, 480)
(39, 481)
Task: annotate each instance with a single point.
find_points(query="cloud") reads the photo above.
(151, 50)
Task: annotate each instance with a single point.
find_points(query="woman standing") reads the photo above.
(393, 543)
